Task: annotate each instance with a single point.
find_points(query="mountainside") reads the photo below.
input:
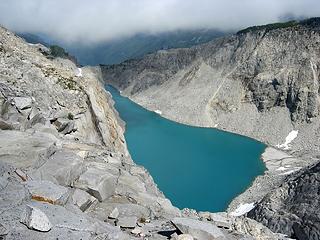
(65, 171)
(116, 51)
(293, 208)
(261, 83)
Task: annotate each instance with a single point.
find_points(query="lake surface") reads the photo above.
(199, 168)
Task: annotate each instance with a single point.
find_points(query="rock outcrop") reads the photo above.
(65, 171)
(293, 209)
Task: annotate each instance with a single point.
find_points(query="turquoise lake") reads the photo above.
(199, 168)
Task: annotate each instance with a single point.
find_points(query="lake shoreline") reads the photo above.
(272, 157)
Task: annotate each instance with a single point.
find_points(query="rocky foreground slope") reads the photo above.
(262, 82)
(65, 172)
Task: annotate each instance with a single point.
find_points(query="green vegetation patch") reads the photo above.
(57, 51)
(270, 27)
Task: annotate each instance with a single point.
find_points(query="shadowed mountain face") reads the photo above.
(119, 50)
(262, 82)
(295, 213)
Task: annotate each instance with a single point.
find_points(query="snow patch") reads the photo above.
(242, 209)
(158, 112)
(289, 172)
(281, 169)
(79, 74)
(291, 136)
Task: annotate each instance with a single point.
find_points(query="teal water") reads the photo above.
(199, 168)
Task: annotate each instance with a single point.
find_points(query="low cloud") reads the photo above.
(93, 21)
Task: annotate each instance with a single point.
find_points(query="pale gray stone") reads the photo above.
(82, 199)
(98, 183)
(3, 230)
(22, 103)
(127, 222)
(63, 168)
(35, 219)
(185, 237)
(48, 192)
(22, 149)
(114, 214)
(220, 219)
(5, 125)
(198, 229)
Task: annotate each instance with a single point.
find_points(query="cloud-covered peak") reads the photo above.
(101, 20)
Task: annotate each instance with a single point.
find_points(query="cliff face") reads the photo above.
(262, 84)
(293, 208)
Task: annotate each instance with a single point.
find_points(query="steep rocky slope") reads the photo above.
(262, 84)
(293, 208)
(65, 172)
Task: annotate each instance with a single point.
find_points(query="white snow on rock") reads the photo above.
(158, 112)
(291, 136)
(242, 209)
(35, 219)
(281, 169)
(288, 172)
(79, 74)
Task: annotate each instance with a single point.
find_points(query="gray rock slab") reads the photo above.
(198, 229)
(127, 222)
(22, 103)
(185, 237)
(220, 219)
(5, 125)
(66, 224)
(22, 149)
(98, 183)
(63, 168)
(47, 191)
(3, 231)
(82, 199)
(35, 219)
(114, 214)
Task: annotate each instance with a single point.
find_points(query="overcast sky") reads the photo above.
(100, 20)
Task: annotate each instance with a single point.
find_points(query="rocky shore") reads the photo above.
(65, 171)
